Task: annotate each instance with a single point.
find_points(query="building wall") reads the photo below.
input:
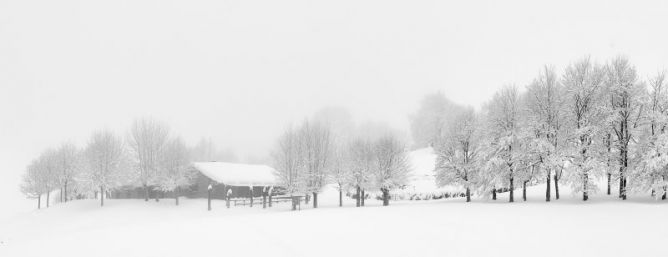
(199, 189)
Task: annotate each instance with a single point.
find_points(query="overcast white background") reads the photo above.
(239, 71)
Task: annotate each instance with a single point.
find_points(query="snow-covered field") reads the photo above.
(604, 226)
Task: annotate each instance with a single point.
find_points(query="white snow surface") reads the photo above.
(237, 174)
(603, 226)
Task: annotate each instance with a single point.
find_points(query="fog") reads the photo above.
(241, 71)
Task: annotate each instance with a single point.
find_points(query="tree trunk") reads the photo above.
(39, 202)
(512, 191)
(47, 199)
(146, 192)
(65, 191)
(547, 190)
(358, 199)
(363, 197)
(663, 196)
(157, 197)
(101, 196)
(622, 173)
(585, 194)
(620, 183)
(556, 186)
(624, 191)
(494, 193)
(386, 196)
(609, 182)
(524, 191)
(315, 200)
(340, 198)
(468, 194)
(176, 196)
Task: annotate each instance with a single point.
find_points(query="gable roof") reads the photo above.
(238, 174)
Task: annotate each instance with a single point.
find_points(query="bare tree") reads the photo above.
(147, 140)
(106, 163)
(175, 165)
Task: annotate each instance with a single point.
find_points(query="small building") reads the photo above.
(241, 178)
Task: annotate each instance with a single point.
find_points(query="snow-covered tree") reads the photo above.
(428, 123)
(339, 170)
(457, 162)
(651, 172)
(545, 109)
(503, 151)
(390, 165)
(106, 163)
(33, 183)
(360, 154)
(147, 139)
(583, 82)
(175, 172)
(317, 150)
(289, 163)
(341, 127)
(626, 96)
(68, 164)
(48, 172)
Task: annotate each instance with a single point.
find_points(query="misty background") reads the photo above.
(239, 72)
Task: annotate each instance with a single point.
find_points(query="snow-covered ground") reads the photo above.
(604, 226)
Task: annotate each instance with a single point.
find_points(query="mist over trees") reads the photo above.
(427, 124)
(590, 124)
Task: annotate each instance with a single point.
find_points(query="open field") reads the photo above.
(605, 226)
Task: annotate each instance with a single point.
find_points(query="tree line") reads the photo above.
(149, 156)
(594, 122)
(319, 151)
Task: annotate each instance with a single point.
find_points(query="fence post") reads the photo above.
(209, 200)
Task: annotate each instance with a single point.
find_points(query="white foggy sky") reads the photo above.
(239, 71)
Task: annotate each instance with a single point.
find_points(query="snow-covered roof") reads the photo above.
(238, 174)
